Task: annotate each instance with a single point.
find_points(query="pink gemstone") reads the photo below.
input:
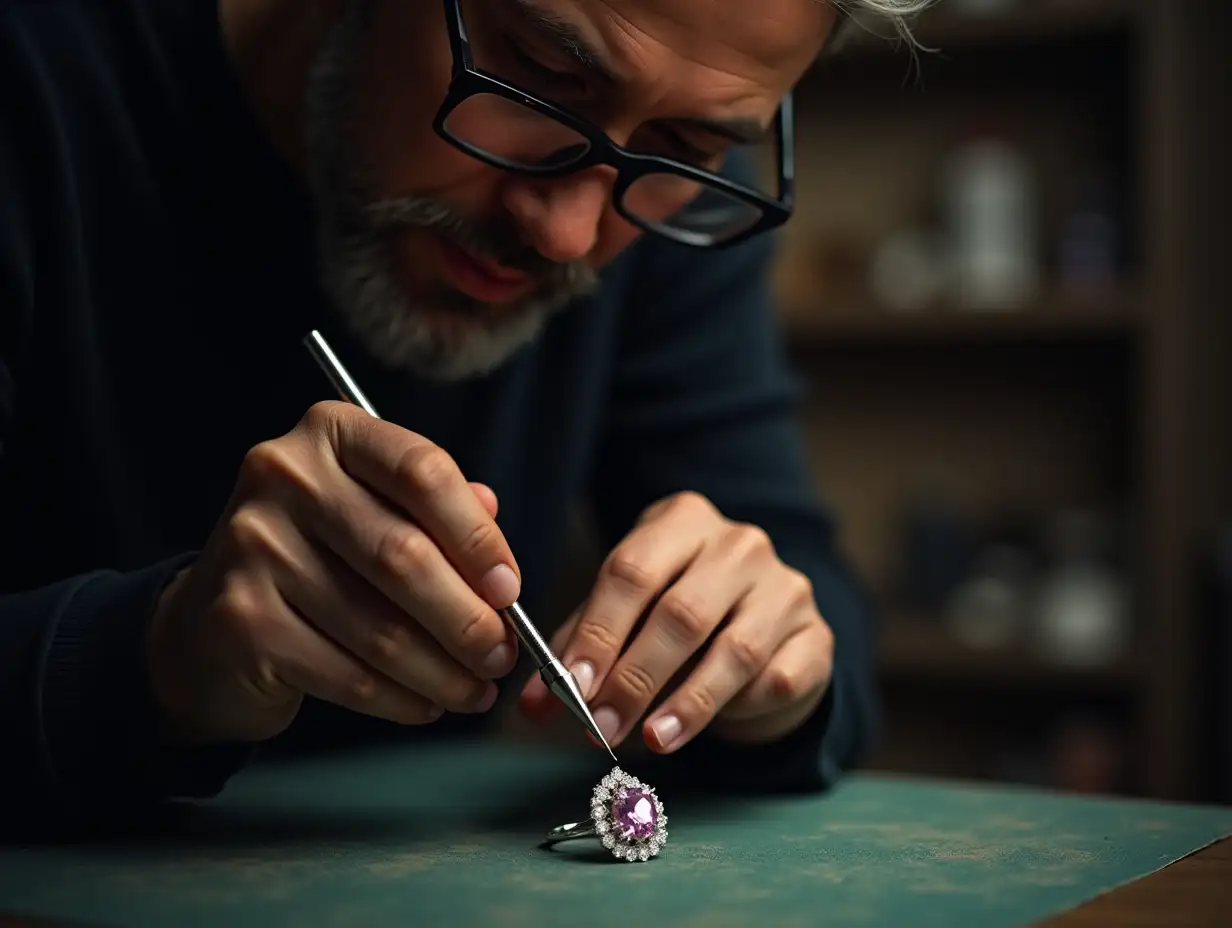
(634, 814)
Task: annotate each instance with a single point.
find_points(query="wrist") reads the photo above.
(166, 671)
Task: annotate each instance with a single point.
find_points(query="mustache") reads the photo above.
(495, 239)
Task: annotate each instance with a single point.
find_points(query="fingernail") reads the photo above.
(608, 722)
(500, 661)
(584, 673)
(434, 713)
(666, 730)
(501, 587)
(488, 701)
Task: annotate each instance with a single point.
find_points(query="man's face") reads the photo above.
(446, 265)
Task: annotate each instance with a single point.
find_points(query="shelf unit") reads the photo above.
(1111, 398)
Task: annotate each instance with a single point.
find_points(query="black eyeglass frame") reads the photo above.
(467, 81)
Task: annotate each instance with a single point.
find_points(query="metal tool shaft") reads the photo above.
(555, 675)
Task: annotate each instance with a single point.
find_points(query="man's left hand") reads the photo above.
(692, 598)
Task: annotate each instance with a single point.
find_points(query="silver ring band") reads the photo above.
(570, 831)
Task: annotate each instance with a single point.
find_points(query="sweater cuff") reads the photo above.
(100, 727)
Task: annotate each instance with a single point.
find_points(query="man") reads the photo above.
(200, 554)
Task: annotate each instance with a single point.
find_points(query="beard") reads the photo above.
(441, 334)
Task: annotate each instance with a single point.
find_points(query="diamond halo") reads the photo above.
(628, 817)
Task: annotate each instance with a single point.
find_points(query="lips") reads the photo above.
(482, 278)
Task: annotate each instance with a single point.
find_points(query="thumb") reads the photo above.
(486, 497)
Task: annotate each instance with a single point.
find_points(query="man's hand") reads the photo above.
(688, 591)
(353, 563)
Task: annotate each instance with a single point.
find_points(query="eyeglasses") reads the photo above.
(510, 128)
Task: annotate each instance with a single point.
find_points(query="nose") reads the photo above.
(561, 218)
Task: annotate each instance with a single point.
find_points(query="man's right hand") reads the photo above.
(355, 564)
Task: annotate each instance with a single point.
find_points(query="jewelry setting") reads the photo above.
(626, 816)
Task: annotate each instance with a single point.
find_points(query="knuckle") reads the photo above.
(405, 552)
(687, 616)
(799, 588)
(628, 569)
(482, 539)
(596, 638)
(698, 702)
(748, 653)
(360, 687)
(691, 501)
(276, 463)
(266, 460)
(388, 644)
(480, 631)
(323, 415)
(636, 681)
(785, 685)
(251, 532)
(238, 603)
(750, 541)
(428, 468)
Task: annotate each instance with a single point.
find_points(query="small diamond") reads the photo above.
(658, 806)
(608, 781)
(602, 794)
(643, 854)
(654, 845)
(617, 772)
(602, 828)
(609, 841)
(661, 819)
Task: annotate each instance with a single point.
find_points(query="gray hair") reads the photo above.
(869, 14)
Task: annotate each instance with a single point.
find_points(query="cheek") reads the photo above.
(404, 80)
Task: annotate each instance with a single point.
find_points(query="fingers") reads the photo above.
(632, 577)
(385, 548)
(798, 672)
(770, 655)
(360, 620)
(679, 625)
(293, 656)
(421, 479)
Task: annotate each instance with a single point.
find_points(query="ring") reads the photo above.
(625, 814)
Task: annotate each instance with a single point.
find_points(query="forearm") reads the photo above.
(75, 707)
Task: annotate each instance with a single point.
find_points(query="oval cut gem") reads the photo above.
(634, 815)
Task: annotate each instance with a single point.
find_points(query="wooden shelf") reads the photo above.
(921, 651)
(1061, 319)
(940, 30)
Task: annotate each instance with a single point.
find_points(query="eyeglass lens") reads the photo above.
(517, 136)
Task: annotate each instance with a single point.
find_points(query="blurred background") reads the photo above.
(1006, 287)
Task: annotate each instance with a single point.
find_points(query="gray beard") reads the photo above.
(356, 235)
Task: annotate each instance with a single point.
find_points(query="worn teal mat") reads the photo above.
(419, 837)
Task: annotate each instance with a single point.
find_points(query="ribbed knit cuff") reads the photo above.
(101, 729)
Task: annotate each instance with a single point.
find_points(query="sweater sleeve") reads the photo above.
(703, 400)
(75, 702)
(78, 727)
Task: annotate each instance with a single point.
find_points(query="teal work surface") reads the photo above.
(420, 836)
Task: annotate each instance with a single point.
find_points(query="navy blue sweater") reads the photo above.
(156, 278)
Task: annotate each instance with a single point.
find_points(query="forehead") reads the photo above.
(768, 42)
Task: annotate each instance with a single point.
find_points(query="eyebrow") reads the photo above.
(566, 36)
(569, 39)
